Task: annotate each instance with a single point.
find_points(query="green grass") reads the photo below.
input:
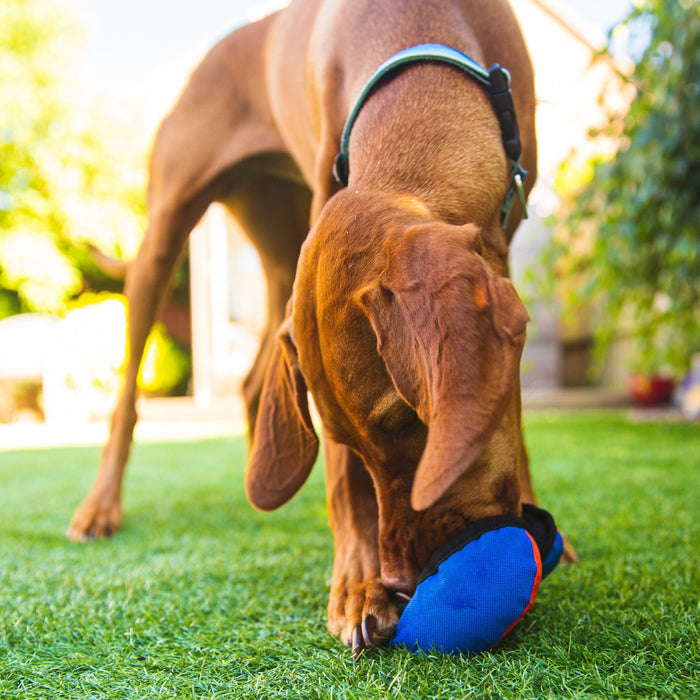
(201, 596)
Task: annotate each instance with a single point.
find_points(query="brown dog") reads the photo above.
(403, 323)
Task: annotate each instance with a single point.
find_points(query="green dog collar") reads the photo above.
(496, 81)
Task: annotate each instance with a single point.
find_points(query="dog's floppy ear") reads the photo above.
(466, 415)
(450, 332)
(285, 444)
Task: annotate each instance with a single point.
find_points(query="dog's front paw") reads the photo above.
(94, 519)
(364, 616)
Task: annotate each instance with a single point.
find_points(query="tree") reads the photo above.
(630, 227)
(66, 180)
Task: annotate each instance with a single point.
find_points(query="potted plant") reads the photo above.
(627, 241)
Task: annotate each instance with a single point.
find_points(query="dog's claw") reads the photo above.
(357, 642)
(369, 624)
(364, 617)
(403, 600)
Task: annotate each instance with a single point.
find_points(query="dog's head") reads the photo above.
(409, 343)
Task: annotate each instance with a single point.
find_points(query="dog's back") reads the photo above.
(326, 51)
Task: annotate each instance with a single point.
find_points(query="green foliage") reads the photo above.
(202, 596)
(100, 360)
(66, 179)
(629, 238)
(165, 366)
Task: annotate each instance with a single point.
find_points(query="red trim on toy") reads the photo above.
(535, 588)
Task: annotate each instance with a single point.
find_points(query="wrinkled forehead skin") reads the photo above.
(345, 253)
(396, 315)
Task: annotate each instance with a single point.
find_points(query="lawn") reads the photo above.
(201, 596)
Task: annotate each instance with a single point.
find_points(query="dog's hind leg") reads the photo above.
(146, 281)
(221, 119)
(527, 493)
(271, 204)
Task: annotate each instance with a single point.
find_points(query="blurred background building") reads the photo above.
(67, 362)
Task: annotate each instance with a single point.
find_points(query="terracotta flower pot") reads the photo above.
(654, 390)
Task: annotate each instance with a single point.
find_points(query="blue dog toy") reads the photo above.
(480, 584)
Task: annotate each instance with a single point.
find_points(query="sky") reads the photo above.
(138, 53)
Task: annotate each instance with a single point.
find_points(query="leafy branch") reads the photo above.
(628, 234)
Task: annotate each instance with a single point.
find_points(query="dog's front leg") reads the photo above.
(360, 610)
